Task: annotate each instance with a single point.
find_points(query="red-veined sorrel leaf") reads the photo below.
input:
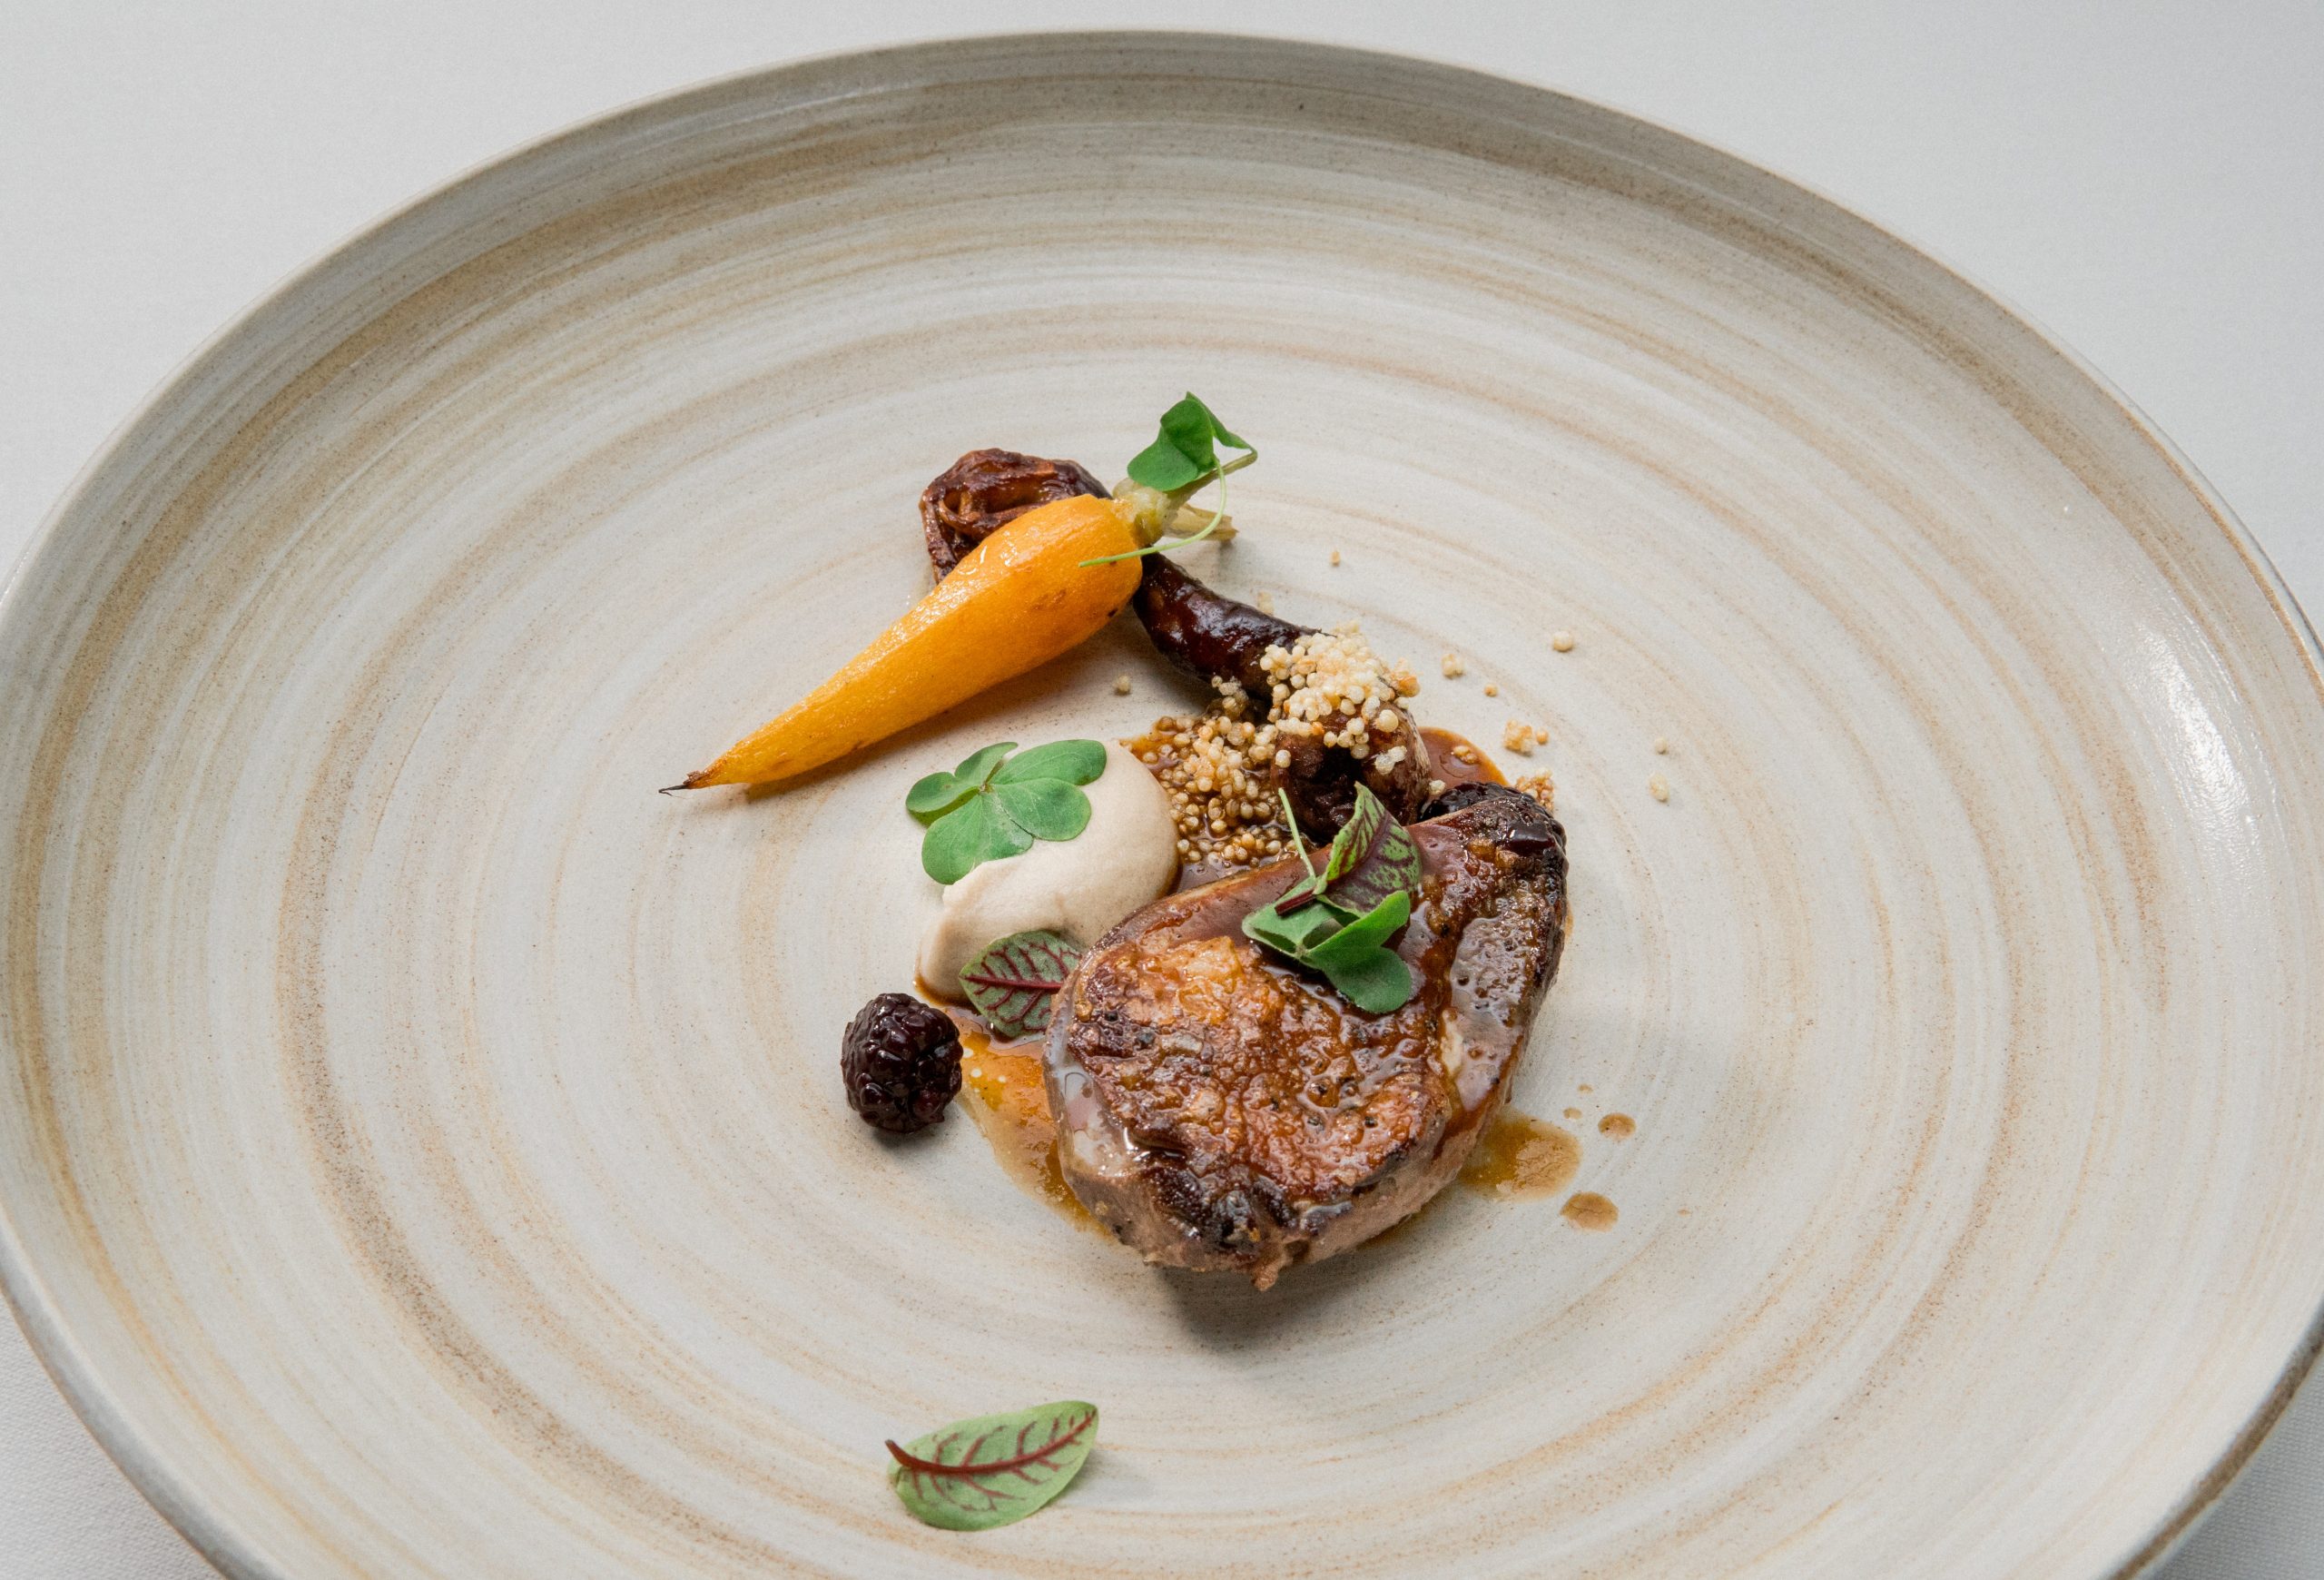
(993, 1470)
(1373, 858)
(1014, 983)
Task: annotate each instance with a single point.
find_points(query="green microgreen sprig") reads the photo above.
(1183, 458)
(1343, 920)
(994, 804)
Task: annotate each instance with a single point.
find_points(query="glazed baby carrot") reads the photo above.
(1040, 585)
(1016, 600)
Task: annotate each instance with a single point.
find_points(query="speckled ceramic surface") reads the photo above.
(421, 1152)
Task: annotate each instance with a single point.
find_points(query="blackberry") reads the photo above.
(900, 1062)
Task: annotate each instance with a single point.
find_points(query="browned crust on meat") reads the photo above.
(1238, 1112)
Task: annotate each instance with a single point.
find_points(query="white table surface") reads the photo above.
(2147, 179)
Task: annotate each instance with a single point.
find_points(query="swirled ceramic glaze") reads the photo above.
(420, 1146)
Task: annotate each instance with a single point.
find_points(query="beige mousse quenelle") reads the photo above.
(1126, 856)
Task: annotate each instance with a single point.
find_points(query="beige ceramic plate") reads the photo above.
(419, 1142)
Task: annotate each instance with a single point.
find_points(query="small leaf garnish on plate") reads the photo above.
(937, 794)
(1372, 856)
(1294, 934)
(1075, 762)
(1182, 460)
(980, 830)
(1013, 983)
(1343, 920)
(993, 1470)
(994, 804)
(1186, 451)
(1048, 809)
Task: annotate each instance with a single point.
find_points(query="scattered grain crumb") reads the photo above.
(1465, 752)
(1562, 641)
(1661, 746)
(1521, 739)
(1540, 786)
(1335, 556)
(1659, 787)
(1264, 603)
(1490, 689)
(1121, 685)
(1436, 786)
(1452, 665)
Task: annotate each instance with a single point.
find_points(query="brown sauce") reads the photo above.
(1619, 1126)
(1002, 1089)
(1590, 1210)
(1443, 747)
(1520, 1156)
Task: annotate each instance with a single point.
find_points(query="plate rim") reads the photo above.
(236, 1555)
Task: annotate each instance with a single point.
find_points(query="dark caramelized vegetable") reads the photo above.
(985, 489)
(1207, 633)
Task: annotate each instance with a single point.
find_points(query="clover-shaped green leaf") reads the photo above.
(995, 806)
(977, 830)
(937, 794)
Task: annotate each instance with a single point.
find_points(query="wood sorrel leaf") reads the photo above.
(1377, 928)
(1045, 808)
(994, 804)
(993, 1470)
(1013, 983)
(977, 830)
(977, 766)
(1075, 762)
(1193, 427)
(933, 796)
(1375, 980)
(937, 794)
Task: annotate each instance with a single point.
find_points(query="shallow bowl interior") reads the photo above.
(420, 1145)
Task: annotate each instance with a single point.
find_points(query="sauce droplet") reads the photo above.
(1519, 1156)
(1590, 1210)
(1458, 760)
(1619, 1126)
